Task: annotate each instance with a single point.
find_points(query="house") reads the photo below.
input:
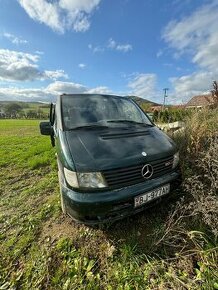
(156, 108)
(167, 107)
(201, 101)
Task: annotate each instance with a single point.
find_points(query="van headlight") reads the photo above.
(175, 159)
(71, 177)
(84, 179)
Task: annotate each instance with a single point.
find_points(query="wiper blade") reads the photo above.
(91, 126)
(130, 121)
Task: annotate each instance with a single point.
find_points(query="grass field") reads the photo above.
(40, 248)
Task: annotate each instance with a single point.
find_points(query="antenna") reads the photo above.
(165, 96)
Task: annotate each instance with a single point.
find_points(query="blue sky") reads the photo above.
(99, 46)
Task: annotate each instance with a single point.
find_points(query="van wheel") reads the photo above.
(60, 177)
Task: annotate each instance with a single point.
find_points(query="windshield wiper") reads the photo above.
(89, 126)
(130, 121)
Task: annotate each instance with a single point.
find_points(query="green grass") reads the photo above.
(42, 249)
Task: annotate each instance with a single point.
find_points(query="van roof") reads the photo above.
(86, 95)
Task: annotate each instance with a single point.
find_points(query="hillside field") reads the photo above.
(40, 248)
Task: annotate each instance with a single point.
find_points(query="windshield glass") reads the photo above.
(83, 110)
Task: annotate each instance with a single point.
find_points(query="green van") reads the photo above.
(112, 160)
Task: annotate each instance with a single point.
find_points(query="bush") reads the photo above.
(171, 115)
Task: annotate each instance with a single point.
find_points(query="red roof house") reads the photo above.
(200, 101)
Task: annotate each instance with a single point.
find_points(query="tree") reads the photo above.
(215, 93)
(12, 109)
(31, 114)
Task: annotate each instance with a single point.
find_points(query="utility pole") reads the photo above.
(165, 96)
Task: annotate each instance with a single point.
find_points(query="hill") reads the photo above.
(141, 101)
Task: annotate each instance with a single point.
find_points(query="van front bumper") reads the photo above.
(106, 206)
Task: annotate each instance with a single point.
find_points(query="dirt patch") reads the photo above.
(56, 228)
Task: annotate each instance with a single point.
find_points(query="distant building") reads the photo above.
(178, 107)
(200, 101)
(167, 107)
(156, 108)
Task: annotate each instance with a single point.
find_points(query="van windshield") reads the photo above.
(98, 110)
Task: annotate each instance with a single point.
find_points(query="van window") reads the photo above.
(84, 110)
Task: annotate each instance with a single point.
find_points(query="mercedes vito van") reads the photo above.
(112, 160)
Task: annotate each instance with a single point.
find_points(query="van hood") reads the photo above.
(100, 149)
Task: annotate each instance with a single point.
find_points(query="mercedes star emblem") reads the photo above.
(147, 171)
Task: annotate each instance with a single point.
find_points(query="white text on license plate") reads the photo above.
(144, 198)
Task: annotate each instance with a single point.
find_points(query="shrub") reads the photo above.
(171, 115)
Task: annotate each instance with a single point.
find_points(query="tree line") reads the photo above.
(16, 111)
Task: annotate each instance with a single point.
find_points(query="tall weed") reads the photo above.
(198, 135)
(192, 227)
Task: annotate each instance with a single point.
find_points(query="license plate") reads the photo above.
(144, 198)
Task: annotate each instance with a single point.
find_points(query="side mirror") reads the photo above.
(46, 128)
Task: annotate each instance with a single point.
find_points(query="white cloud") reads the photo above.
(44, 12)
(55, 74)
(59, 87)
(197, 37)
(23, 94)
(207, 54)
(14, 39)
(82, 24)
(112, 44)
(20, 66)
(82, 65)
(86, 6)
(61, 15)
(190, 85)
(39, 52)
(124, 47)
(144, 85)
(96, 49)
(100, 90)
(48, 93)
(159, 53)
(192, 33)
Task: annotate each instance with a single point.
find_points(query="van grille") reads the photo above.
(119, 177)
